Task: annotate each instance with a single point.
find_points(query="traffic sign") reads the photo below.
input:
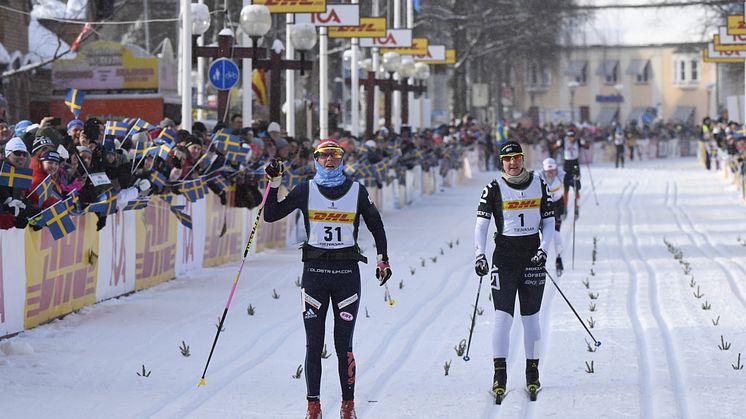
(224, 74)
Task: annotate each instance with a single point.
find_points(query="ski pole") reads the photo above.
(235, 281)
(387, 295)
(597, 343)
(574, 220)
(593, 185)
(473, 319)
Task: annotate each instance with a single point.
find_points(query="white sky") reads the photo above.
(646, 26)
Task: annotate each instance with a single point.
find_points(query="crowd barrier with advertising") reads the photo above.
(42, 279)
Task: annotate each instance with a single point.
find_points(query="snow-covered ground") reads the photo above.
(659, 356)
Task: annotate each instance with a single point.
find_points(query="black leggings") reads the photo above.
(515, 275)
(338, 282)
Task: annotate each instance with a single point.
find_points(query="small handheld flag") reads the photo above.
(115, 128)
(74, 101)
(15, 177)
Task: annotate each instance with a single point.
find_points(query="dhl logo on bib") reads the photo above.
(333, 216)
(521, 204)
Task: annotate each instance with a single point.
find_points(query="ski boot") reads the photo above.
(314, 409)
(347, 411)
(532, 378)
(500, 381)
(559, 266)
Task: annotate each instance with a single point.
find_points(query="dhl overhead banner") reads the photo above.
(717, 46)
(419, 47)
(450, 58)
(709, 55)
(726, 39)
(293, 6)
(370, 27)
(434, 53)
(735, 25)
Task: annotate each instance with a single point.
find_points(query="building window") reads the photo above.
(582, 78)
(538, 75)
(611, 78)
(686, 70)
(644, 76)
(695, 70)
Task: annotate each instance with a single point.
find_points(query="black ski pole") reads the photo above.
(597, 343)
(593, 185)
(574, 219)
(473, 319)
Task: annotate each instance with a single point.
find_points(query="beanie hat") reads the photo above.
(273, 127)
(84, 149)
(370, 144)
(193, 139)
(50, 155)
(74, 123)
(14, 144)
(21, 127)
(281, 143)
(511, 148)
(549, 163)
(41, 142)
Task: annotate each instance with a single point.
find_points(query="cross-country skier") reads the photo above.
(552, 176)
(571, 153)
(332, 206)
(524, 217)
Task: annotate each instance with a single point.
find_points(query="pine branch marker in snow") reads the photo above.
(473, 319)
(235, 281)
(597, 343)
(144, 373)
(716, 321)
(724, 346)
(184, 348)
(460, 348)
(324, 353)
(250, 310)
(298, 372)
(698, 294)
(738, 365)
(589, 367)
(275, 295)
(447, 367)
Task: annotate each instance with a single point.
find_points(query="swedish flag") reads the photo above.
(221, 135)
(15, 177)
(167, 135)
(74, 101)
(240, 155)
(115, 128)
(140, 125)
(184, 218)
(141, 149)
(193, 190)
(136, 204)
(158, 179)
(219, 182)
(107, 204)
(57, 218)
(43, 190)
(73, 203)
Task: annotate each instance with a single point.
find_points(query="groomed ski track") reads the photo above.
(659, 357)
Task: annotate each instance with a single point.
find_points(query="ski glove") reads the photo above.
(481, 266)
(274, 170)
(383, 269)
(540, 258)
(16, 204)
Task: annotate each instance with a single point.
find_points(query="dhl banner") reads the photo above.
(450, 58)
(434, 53)
(116, 259)
(156, 246)
(419, 47)
(335, 15)
(188, 254)
(395, 38)
(370, 27)
(223, 232)
(60, 276)
(717, 46)
(709, 55)
(726, 39)
(12, 284)
(293, 6)
(735, 25)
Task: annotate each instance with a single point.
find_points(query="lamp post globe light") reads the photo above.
(573, 86)
(391, 62)
(366, 64)
(200, 18)
(407, 67)
(303, 36)
(422, 71)
(255, 20)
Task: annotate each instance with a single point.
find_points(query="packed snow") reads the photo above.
(659, 355)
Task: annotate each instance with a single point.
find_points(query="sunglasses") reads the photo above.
(19, 153)
(509, 157)
(334, 154)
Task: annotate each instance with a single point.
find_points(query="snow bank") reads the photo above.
(43, 43)
(16, 348)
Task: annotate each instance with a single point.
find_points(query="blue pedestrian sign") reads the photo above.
(223, 74)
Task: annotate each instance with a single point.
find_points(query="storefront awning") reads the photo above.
(637, 67)
(606, 116)
(607, 68)
(575, 68)
(683, 114)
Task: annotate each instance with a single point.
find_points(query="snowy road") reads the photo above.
(659, 358)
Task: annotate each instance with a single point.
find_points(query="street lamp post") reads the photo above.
(391, 63)
(407, 70)
(572, 85)
(422, 73)
(200, 24)
(619, 87)
(710, 88)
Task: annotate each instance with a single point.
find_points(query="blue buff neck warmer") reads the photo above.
(329, 178)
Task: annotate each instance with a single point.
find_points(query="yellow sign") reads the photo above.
(370, 27)
(155, 246)
(717, 46)
(223, 233)
(419, 47)
(293, 6)
(60, 277)
(450, 58)
(721, 59)
(736, 25)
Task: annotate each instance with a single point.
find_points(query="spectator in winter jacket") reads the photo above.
(46, 163)
(13, 205)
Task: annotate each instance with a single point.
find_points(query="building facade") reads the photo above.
(602, 84)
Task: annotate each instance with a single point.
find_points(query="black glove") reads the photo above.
(383, 269)
(540, 258)
(274, 169)
(481, 266)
